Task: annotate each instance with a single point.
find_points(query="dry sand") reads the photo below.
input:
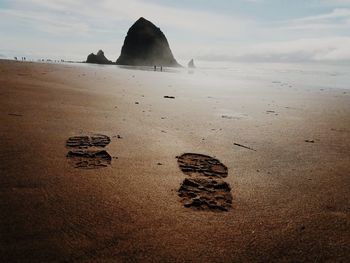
(290, 197)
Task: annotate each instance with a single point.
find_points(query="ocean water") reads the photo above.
(314, 75)
(306, 75)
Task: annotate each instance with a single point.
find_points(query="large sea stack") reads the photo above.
(146, 45)
(99, 58)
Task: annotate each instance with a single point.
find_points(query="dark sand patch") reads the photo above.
(230, 117)
(15, 114)
(310, 141)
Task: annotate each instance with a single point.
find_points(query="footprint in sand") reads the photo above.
(205, 189)
(85, 155)
(97, 140)
(193, 163)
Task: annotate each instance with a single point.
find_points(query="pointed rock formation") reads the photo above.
(146, 45)
(191, 64)
(99, 58)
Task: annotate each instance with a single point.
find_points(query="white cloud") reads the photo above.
(52, 24)
(334, 22)
(336, 2)
(109, 12)
(336, 13)
(312, 49)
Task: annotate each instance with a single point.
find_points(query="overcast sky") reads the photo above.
(237, 30)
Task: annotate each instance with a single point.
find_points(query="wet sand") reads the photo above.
(290, 190)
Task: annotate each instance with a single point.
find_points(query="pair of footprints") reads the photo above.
(203, 190)
(87, 153)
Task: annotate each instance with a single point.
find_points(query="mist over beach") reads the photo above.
(174, 131)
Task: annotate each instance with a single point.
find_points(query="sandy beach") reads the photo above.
(290, 190)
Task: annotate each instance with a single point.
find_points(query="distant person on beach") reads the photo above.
(155, 68)
(161, 68)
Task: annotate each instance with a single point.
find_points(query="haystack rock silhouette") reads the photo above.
(99, 58)
(191, 64)
(146, 45)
